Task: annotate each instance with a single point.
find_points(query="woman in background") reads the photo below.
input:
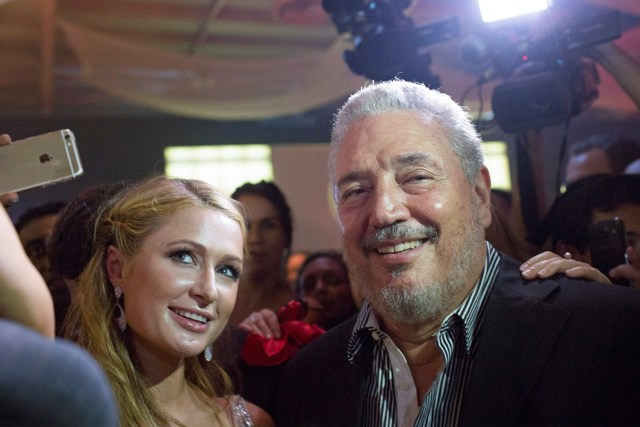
(324, 287)
(270, 231)
(156, 293)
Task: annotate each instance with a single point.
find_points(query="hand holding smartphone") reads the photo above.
(608, 245)
(39, 161)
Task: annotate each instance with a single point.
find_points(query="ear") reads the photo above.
(482, 190)
(115, 265)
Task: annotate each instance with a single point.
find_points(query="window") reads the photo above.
(225, 166)
(496, 159)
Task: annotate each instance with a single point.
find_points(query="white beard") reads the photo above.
(423, 303)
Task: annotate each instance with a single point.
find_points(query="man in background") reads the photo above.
(600, 154)
(34, 228)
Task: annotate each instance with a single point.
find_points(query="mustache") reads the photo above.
(401, 231)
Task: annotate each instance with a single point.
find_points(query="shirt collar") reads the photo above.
(470, 312)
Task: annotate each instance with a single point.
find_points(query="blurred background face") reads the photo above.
(590, 162)
(33, 236)
(267, 240)
(324, 285)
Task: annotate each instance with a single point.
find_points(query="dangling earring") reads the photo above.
(121, 319)
(208, 353)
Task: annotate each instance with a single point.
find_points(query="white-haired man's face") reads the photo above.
(413, 226)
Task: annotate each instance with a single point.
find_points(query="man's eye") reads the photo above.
(418, 178)
(351, 192)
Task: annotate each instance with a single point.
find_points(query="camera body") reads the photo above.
(547, 81)
(386, 44)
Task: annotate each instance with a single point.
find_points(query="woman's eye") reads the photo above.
(183, 257)
(229, 271)
(268, 225)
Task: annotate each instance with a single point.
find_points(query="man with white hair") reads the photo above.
(450, 333)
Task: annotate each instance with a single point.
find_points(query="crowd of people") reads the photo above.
(166, 302)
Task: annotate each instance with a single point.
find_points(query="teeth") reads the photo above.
(405, 246)
(192, 316)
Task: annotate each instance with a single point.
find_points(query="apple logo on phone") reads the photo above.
(44, 158)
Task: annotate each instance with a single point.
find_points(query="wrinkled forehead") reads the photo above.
(392, 138)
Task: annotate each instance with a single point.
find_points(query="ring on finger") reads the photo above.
(567, 255)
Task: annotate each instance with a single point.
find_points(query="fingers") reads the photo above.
(531, 262)
(547, 264)
(629, 271)
(263, 322)
(7, 199)
(5, 139)
(634, 257)
(585, 271)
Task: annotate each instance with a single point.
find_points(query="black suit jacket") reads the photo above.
(549, 352)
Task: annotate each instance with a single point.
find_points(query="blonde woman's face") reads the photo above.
(180, 287)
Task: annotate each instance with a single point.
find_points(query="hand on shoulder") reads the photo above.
(547, 264)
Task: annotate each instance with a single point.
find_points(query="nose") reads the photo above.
(318, 287)
(205, 290)
(253, 233)
(389, 205)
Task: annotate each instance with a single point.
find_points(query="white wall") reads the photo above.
(300, 170)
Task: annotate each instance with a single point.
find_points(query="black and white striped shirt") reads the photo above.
(390, 405)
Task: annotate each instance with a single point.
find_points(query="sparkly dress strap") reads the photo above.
(240, 414)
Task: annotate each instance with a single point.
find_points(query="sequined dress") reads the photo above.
(239, 414)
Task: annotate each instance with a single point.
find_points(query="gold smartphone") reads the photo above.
(39, 161)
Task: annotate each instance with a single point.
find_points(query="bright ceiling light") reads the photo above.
(496, 10)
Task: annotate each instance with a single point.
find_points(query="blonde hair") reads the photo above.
(125, 221)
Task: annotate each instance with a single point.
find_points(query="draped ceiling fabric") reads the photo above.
(209, 88)
(241, 89)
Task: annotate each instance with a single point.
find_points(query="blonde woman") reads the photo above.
(157, 292)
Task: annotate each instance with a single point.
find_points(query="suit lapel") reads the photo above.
(517, 335)
(344, 384)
